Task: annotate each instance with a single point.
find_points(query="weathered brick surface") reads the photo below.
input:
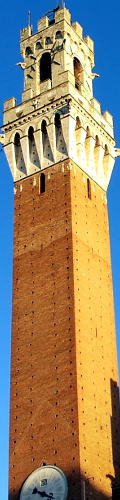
(95, 334)
(63, 346)
(43, 394)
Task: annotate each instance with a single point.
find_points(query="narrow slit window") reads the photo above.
(42, 183)
(89, 189)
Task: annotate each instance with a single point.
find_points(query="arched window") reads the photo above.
(58, 130)
(77, 70)
(18, 154)
(38, 46)
(47, 152)
(97, 142)
(57, 120)
(17, 147)
(88, 146)
(77, 130)
(44, 133)
(28, 51)
(31, 140)
(45, 67)
(43, 127)
(106, 150)
(77, 137)
(48, 40)
(30, 133)
(33, 154)
(78, 124)
(88, 134)
(97, 151)
(61, 152)
(58, 34)
(105, 160)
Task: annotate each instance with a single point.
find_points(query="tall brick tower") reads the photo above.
(61, 152)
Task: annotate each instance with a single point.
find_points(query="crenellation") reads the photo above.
(62, 14)
(27, 95)
(25, 33)
(96, 105)
(78, 29)
(69, 59)
(9, 103)
(70, 41)
(51, 98)
(89, 42)
(108, 117)
(43, 23)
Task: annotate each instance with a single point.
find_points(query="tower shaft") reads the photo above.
(63, 351)
(64, 408)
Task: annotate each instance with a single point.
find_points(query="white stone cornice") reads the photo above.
(76, 143)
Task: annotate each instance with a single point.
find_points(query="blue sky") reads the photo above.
(101, 21)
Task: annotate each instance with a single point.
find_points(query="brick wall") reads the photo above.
(95, 334)
(63, 348)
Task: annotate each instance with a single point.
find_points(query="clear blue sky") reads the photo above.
(101, 21)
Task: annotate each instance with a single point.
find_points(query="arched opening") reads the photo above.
(88, 146)
(77, 137)
(31, 140)
(106, 150)
(18, 154)
(97, 142)
(17, 147)
(33, 156)
(44, 134)
(47, 152)
(58, 131)
(45, 67)
(97, 152)
(48, 40)
(58, 34)
(38, 46)
(44, 128)
(28, 51)
(106, 160)
(60, 143)
(88, 134)
(78, 124)
(77, 70)
(77, 130)
(57, 120)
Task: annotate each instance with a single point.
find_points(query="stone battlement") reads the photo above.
(58, 82)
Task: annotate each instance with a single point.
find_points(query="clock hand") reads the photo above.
(43, 493)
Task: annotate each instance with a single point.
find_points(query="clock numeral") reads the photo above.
(43, 482)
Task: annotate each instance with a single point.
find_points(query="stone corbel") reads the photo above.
(2, 139)
(117, 152)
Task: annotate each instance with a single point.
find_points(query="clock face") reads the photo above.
(47, 482)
